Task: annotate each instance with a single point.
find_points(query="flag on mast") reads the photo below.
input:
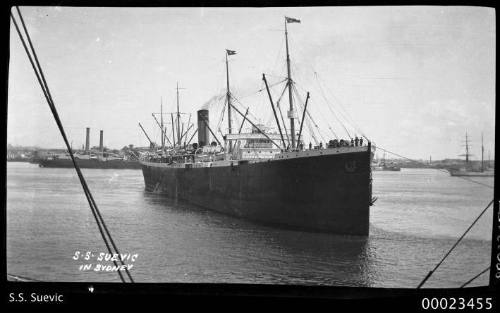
(291, 20)
(230, 52)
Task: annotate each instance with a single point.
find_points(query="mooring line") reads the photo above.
(452, 248)
(43, 84)
(474, 278)
(439, 169)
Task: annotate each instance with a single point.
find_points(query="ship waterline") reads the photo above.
(91, 163)
(316, 190)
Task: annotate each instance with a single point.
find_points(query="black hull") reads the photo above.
(472, 174)
(328, 193)
(93, 163)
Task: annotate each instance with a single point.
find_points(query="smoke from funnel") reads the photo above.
(206, 105)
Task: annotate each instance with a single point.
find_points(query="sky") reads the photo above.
(412, 79)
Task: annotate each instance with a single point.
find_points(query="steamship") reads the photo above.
(89, 158)
(266, 176)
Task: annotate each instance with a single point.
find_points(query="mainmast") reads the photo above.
(289, 81)
(228, 95)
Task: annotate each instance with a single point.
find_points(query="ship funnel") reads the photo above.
(87, 140)
(101, 146)
(203, 131)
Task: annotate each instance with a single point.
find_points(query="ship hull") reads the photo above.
(92, 163)
(472, 174)
(328, 193)
(387, 169)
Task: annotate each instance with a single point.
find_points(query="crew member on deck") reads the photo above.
(352, 142)
(310, 146)
(356, 141)
(361, 141)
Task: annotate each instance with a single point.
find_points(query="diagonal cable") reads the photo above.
(453, 247)
(43, 84)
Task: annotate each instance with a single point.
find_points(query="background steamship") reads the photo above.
(264, 175)
(89, 158)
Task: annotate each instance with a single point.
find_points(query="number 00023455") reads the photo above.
(457, 303)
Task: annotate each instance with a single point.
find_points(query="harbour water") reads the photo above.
(418, 216)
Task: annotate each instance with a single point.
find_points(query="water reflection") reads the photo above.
(415, 221)
(284, 256)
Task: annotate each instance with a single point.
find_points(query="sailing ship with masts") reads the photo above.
(264, 175)
(469, 169)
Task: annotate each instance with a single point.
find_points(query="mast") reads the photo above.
(163, 131)
(173, 130)
(289, 84)
(178, 117)
(228, 94)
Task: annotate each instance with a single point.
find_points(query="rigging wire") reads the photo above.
(329, 104)
(453, 247)
(43, 84)
(321, 115)
(278, 54)
(281, 95)
(475, 277)
(333, 112)
(250, 113)
(262, 89)
(346, 114)
(334, 134)
(310, 120)
(223, 111)
(439, 169)
(22, 278)
(281, 113)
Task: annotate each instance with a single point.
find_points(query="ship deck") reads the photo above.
(278, 157)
